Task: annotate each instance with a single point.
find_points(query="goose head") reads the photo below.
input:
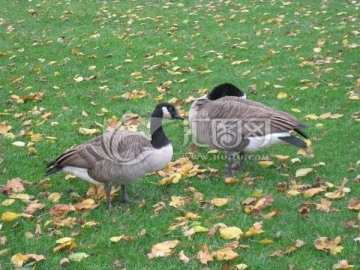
(225, 89)
(166, 110)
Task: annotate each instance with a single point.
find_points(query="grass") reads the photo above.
(141, 45)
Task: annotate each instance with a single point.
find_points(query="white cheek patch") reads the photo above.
(166, 113)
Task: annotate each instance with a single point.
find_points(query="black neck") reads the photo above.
(158, 137)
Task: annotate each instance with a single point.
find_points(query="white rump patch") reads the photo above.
(263, 142)
(81, 173)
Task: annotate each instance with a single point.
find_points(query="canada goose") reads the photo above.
(225, 120)
(120, 156)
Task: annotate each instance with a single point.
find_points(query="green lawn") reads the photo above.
(66, 65)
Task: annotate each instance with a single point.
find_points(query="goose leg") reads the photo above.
(107, 193)
(229, 164)
(124, 194)
(242, 160)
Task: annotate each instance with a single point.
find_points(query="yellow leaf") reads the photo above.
(54, 197)
(303, 172)
(312, 117)
(90, 224)
(162, 249)
(230, 232)
(116, 239)
(192, 216)
(241, 266)
(215, 151)
(281, 157)
(9, 216)
(200, 229)
(65, 242)
(78, 257)
(225, 255)
(18, 260)
(177, 201)
(295, 110)
(312, 191)
(265, 164)
(281, 95)
(219, 201)
(89, 131)
(266, 241)
(293, 192)
(8, 202)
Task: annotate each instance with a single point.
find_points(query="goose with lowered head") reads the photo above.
(225, 120)
(120, 156)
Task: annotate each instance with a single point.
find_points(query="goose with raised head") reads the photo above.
(225, 120)
(120, 156)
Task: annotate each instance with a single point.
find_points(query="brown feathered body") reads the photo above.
(234, 124)
(114, 157)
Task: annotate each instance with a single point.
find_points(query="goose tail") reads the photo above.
(52, 167)
(294, 141)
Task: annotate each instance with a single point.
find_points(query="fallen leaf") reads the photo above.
(324, 243)
(281, 95)
(241, 266)
(78, 257)
(54, 197)
(65, 242)
(343, 264)
(219, 201)
(303, 172)
(18, 260)
(9, 216)
(183, 257)
(354, 204)
(205, 257)
(312, 191)
(265, 164)
(162, 249)
(225, 254)
(230, 232)
(59, 210)
(89, 131)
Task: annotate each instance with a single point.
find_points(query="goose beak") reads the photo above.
(178, 116)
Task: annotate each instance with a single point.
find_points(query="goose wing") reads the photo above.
(117, 146)
(250, 115)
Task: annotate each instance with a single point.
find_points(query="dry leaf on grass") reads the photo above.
(303, 172)
(162, 249)
(324, 243)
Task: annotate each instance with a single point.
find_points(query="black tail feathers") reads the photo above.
(294, 141)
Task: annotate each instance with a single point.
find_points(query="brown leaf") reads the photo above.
(183, 257)
(66, 222)
(14, 185)
(343, 264)
(38, 231)
(354, 203)
(263, 202)
(59, 210)
(205, 257)
(324, 243)
(324, 206)
(87, 204)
